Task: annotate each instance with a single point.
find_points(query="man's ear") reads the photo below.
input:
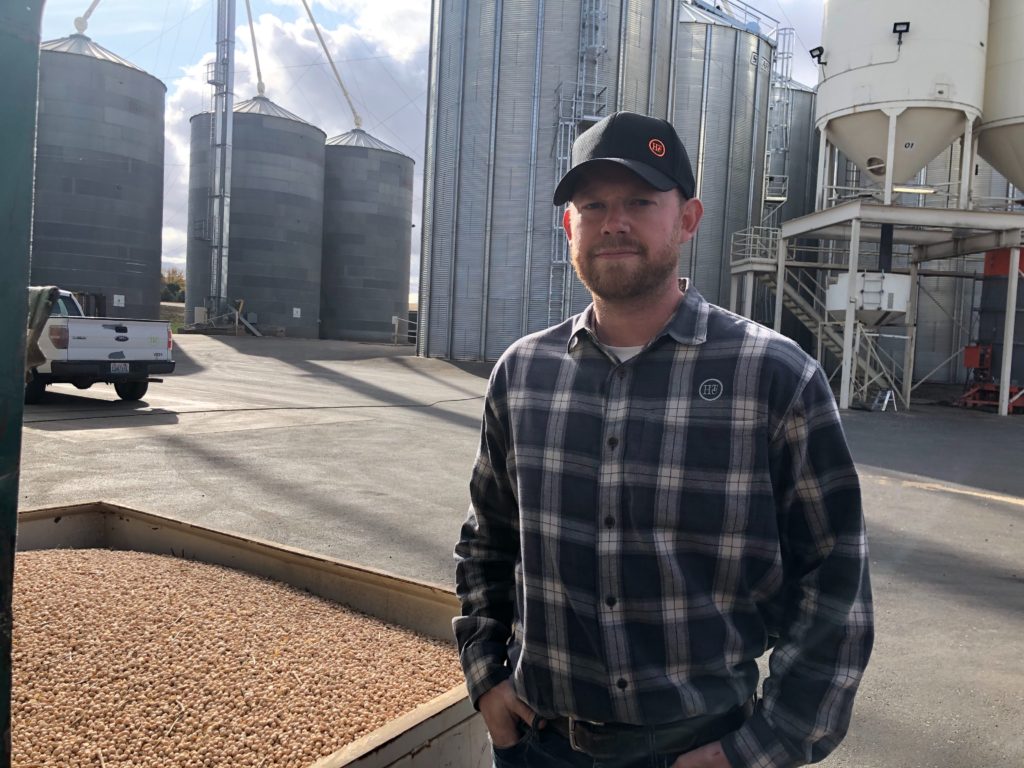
(567, 224)
(690, 215)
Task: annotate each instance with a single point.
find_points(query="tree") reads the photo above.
(172, 285)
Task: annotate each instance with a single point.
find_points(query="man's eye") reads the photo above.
(592, 206)
(640, 202)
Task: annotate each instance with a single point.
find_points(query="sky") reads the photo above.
(381, 48)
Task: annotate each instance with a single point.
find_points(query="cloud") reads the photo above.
(381, 55)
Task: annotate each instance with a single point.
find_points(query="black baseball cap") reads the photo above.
(646, 145)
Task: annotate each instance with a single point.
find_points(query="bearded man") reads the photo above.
(663, 494)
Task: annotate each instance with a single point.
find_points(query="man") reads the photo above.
(662, 493)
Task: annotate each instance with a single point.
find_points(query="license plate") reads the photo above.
(119, 368)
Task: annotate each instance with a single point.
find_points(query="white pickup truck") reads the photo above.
(83, 350)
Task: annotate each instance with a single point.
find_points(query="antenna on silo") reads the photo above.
(323, 44)
(260, 88)
(82, 22)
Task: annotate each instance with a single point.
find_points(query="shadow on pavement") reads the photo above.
(61, 410)
(952, 445)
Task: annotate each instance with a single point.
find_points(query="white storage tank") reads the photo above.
(881, 297)
(1001, 134)
(921, 59)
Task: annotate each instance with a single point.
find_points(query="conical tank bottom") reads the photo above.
(921, 134)
(1003, 148)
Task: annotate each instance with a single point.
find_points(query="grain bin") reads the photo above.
(722, 85)
(801, 154)
(276, 226)
(99, 178)
(1001, 134)
(367, 238)
(511, 85)
(916, 66)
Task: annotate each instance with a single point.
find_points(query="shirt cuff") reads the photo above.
(755, 745)
(484, 665)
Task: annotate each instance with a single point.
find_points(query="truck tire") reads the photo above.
(131, 390)
(34, 390)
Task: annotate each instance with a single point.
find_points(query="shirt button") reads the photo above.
(612, 442)
(609, 521)
(610, 601)
(622, 684)
(622, 373)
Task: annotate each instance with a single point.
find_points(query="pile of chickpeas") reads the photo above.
(131, 659)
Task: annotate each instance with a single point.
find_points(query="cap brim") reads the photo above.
(657, 179)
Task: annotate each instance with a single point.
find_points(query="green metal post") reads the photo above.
(19, 65)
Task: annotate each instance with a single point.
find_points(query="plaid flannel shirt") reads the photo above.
(641, 532)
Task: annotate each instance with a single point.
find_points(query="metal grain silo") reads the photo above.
(722, 85)
(905, 76)
(367, 238)
(276, 226)
(1001, 134)
(99, 180)
(511, 85)
(801, 156)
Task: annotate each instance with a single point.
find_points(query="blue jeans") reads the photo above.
(546, 748)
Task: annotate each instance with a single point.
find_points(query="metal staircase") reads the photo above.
(804, 296)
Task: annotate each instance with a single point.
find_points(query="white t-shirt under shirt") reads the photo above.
(624, 353)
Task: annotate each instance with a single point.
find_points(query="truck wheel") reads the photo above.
(131, 390)
(34, 390)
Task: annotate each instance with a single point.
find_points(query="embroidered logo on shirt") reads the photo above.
(710, 389)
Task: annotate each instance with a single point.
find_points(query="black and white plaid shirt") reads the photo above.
(641, 532)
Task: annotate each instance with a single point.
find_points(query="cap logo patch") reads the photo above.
(657, 147)
(710, 389)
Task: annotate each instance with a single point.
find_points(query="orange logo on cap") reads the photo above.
(657, 147)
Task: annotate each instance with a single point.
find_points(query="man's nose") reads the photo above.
(615, 220)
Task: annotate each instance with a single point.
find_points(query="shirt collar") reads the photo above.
(689, 324)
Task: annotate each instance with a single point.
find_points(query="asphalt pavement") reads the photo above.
(362, 452)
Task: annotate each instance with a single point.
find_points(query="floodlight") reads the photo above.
(817, 53)
(900, 28)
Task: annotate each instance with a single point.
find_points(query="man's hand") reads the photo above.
(501, 710)
(708, 756)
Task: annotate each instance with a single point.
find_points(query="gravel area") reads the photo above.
(132, 659)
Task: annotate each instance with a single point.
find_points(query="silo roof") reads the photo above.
(84, 46)
(357, 137)
(261, 105)
(701, 12)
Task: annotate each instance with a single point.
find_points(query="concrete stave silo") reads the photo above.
(98, 213)
(276, 224)
(367, 238)
(511, 85)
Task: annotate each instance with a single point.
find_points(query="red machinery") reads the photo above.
(982, 391)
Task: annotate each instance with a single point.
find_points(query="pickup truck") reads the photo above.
(84, 350)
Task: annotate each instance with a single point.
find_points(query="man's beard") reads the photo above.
(629, 278)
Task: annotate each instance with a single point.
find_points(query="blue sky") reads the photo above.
(381, 50)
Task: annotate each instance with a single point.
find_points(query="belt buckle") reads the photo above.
(572, 734)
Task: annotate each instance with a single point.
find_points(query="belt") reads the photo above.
(607, 741)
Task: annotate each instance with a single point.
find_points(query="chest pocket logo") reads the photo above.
(710, 389)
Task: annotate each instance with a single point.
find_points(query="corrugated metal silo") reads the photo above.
(367, 238)
(801, 155)
(511, 84)
(99, 178)
(276, 228)
(722, 86)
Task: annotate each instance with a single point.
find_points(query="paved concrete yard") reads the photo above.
(362, 452)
